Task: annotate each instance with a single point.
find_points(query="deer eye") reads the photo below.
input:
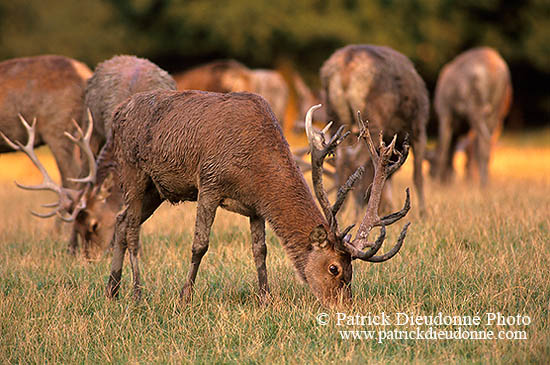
(94, 226)
(333, 270)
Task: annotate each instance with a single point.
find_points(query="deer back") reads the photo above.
(381, 83)
(115, 80)
(475, 83)
(49, 88)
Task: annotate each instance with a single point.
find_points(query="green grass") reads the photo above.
(478, 251)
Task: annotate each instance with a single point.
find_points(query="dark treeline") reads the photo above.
(177, 34)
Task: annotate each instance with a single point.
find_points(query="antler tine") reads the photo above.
(364, 133)
(80, 206)
(28, 149)
(394, 217)
(344, 189)
(358, 253)
(9, 142)
(382, 169)
(65, 195)
(83, 141)
(395, 249)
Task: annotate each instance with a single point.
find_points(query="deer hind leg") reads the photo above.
(206, 211)
(119, 249)
(483, 142)
(444, 171)
(419, 147)
(482, 154)
(259, 250)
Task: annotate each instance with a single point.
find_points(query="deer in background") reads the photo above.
(51, 89)
(229, 75)
(384, 86)
(227, 150)
(304, 99)
(472, 97)
(113, 82)
(94, 206)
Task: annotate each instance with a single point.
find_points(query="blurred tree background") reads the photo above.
(178, 34)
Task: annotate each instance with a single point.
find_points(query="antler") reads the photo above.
(83, 141)
(383, 167)
(319, 150)
(67, 197)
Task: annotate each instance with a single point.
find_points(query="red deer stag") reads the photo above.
(227, 150)
(384, 85)
(51, 89)
(70, 200)
(473, 93)
(113, 81)
(229, 75)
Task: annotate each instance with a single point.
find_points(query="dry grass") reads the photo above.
(478, 251)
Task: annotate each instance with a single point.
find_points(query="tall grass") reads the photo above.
(478, 251)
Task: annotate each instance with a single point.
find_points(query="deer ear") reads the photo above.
(106, 187)
(318, 237)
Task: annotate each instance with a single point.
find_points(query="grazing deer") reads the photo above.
(472, 97)
(93, 208)
(51, 89)
(219, 76)
(304, 99)
(115, 80)
(227, 150)
(384, 85)
(272, 86)
(70, 200)
(229, 75)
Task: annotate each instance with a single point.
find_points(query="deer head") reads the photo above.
(85, 207)
(335, 249)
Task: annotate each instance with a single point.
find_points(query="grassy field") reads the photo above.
(478, 252)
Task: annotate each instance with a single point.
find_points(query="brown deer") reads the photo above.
(472, 97)
(93, 208)
(227, 150)
(305, 97)
(272, 86)
(51, 89)
(219, 76)
(230, 75)
(384, 85)
(115, 80)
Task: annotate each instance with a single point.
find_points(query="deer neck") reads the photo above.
(293, 214)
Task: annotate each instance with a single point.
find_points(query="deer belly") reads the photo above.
(176, 193)
(237, 207)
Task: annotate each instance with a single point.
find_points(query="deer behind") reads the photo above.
(221, 150)
(472, 96)
(384, 86)
(93, 208)
(51, 89)
(113, 82)
(229, 75)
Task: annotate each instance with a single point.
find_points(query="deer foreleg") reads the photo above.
(259, 250)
